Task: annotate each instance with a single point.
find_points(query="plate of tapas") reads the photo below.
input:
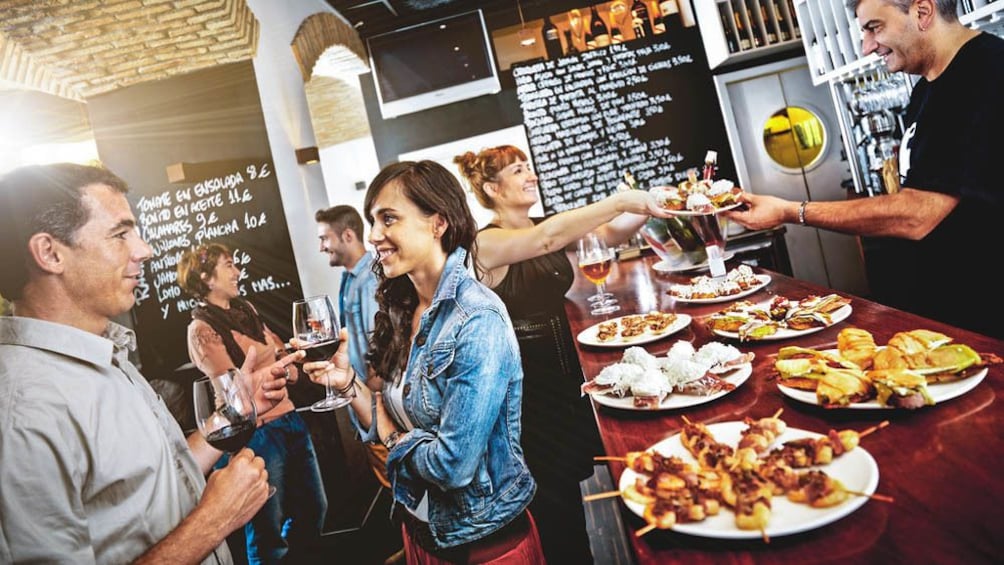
(914, 369)
(737, 283)
(634, 329)
(683, 377)
(684, 265)
(706, 209)
(939, 392)
(698, 197)
(749, 479)
(780, 318)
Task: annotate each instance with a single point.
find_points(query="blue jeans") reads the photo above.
(292, 518)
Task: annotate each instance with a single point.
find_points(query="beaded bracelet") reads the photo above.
(801, 212)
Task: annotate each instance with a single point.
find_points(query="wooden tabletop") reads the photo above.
(941, 464)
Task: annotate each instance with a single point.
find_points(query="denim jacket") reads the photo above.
(463, 391)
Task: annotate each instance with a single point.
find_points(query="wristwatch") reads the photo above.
(391, 440)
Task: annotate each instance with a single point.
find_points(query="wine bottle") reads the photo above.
(730, 36)
(758, 40)
(552, 38)
(794, 18)
(744, 38)
(669, 12)
(571, 49)
(639, 15)
(785, 36)
(767, 24)
(601, 35)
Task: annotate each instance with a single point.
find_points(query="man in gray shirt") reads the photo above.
(93, 467)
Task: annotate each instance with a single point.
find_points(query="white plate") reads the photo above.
(684, 265)
(856, 469)
(588, 335)
(695, 213)
(939, 392)
(839, 315)
(764, 281)
(673, 401)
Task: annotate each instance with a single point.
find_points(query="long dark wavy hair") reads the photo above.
(434, 190)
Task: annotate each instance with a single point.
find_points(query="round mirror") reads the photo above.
(793, 137)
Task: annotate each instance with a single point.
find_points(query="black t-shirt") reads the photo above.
(954, 141)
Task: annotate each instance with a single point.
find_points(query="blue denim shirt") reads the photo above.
(463, 391)
(360, 307)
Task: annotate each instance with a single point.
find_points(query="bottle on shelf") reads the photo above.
(639, 16)
(687, 13)
(620, 20)
(730, 36)
(658, 24)
(767, 23)
(744, 38)
(785, 36)
(552, 39)
(598, 28)
(578, 29)
(967, 6)
(794, 18)
(758, 39)
(571, 49)
(669, 11)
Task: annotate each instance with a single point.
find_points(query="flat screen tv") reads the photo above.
(432, 64)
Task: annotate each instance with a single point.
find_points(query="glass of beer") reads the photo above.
(595, 261)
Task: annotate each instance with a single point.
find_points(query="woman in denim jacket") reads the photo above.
(450, 411)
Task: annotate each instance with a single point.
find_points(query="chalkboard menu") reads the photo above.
(236, 203)
(647, 106)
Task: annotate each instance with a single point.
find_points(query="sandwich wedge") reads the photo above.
(900, 388)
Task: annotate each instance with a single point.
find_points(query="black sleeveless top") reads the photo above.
(536, 287)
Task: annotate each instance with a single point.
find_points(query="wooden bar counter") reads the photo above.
(942, 464)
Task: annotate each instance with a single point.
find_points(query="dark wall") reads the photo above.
(211, 120)
(438, 125)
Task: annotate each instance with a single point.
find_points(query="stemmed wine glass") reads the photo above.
(595, 260)
(225, 412)
(316, 327)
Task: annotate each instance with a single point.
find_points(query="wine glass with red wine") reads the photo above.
(316, 328)
(225, 412)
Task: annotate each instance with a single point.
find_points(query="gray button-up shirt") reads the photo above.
(93, 467)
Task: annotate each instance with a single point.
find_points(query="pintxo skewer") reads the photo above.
(675, 492)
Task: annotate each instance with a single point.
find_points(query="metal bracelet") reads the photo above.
(801, 212)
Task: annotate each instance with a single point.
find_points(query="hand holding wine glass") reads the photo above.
(317, 332)
(225, 411)
(595, 261)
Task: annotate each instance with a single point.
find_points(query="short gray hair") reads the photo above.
(946, 8)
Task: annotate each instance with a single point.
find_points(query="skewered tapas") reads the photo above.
(669, 491)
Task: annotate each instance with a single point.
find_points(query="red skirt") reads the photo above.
(518, 543)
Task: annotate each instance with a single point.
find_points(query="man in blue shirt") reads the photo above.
(340, 231)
